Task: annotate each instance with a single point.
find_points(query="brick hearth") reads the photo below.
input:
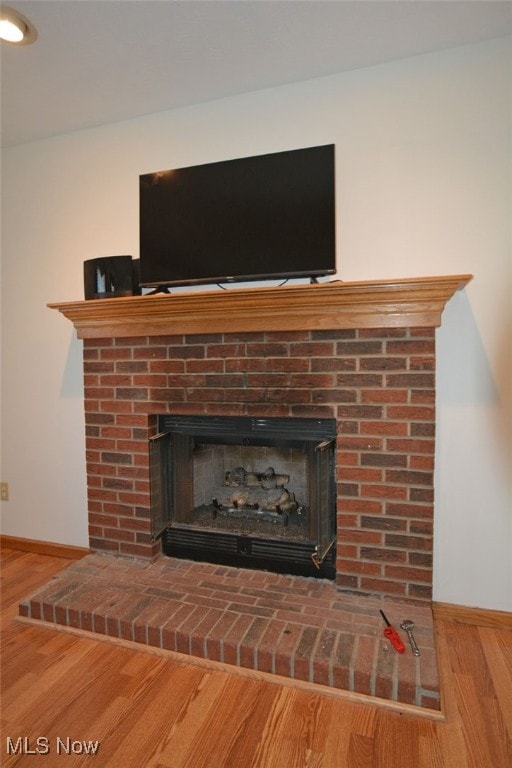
(291, 626)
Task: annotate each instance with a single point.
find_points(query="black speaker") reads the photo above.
(108, 277)
(137, 290)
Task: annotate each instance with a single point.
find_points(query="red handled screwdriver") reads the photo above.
(392, 635)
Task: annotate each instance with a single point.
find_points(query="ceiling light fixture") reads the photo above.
(15, 28)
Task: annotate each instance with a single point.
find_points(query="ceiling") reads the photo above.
(101, 61)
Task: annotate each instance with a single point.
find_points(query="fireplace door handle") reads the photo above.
(325, 444)
(318, 558)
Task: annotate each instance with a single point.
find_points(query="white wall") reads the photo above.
(423, 188)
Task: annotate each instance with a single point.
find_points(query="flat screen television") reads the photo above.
(255, 218)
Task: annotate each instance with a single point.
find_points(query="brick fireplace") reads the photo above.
(360, 353)
(360, 356)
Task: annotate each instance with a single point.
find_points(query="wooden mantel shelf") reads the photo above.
(414, 303)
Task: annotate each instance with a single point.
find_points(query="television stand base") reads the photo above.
(160, 289)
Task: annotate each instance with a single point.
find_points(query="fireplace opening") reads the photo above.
(247, 492)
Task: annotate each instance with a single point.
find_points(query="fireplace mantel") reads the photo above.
(403, 303)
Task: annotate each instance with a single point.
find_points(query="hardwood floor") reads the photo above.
(95, 702)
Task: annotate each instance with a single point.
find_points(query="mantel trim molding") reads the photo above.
(403, 303)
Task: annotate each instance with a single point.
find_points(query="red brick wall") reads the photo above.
(378, 384)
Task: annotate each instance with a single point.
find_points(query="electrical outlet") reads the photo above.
(4, 491)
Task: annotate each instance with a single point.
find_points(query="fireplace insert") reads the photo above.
(247, 492)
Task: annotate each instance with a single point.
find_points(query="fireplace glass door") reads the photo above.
(244, 491)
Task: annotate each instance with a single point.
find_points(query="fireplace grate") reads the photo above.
(242, 551)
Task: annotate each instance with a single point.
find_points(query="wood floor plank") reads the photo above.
(498, 655)
(150, 710)
(216, 726)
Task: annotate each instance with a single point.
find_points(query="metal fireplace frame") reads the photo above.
(175, 436)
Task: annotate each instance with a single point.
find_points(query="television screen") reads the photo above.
(262, 217)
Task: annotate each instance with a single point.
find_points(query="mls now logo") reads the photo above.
(69, 747)
(22, 746)
(42, 746)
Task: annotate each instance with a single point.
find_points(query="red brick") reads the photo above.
(244, 336)
(151, 352)
(420, 559)
(411, 380)
(151, 615)
(362, 505)
(148, 551)
(98, 519)
(100, 444)
(126, 621)
(409, 477)
(312, 411)
(334, 396)
(95, 494)
(102, 545)
(422, 363)
(363, 380)
(363, 665)
(116, 406)
(369, 474)
(384, 396)
(98, 418)
(384, 491)
(116, 353)
(360, 566)
(198, 634)
(407, 677)
(131, 366)
(332, 363)
(420, 591)
(383, 554)
(410, 445)
(312, 348)
(382, 586)
(285, 649)
(408, 574)
(213, 648)
(395, 428)
(225, 351)
(289, 335)
(98, 367)
(99, 393)
(250, 642)
(384, 670)
(170, 629)
(342, 660)
(292, 396)
(162, 617)
(323, 656)
(383, 459)
(384, 363)
(346, 462)
(233, 638)
(408, 510)
(267, 645)
(265, 350)
(304, 652)
(422, 462)
(165, 366)
(358, 348)
(133, 420)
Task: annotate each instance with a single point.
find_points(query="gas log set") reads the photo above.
(263, 493)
